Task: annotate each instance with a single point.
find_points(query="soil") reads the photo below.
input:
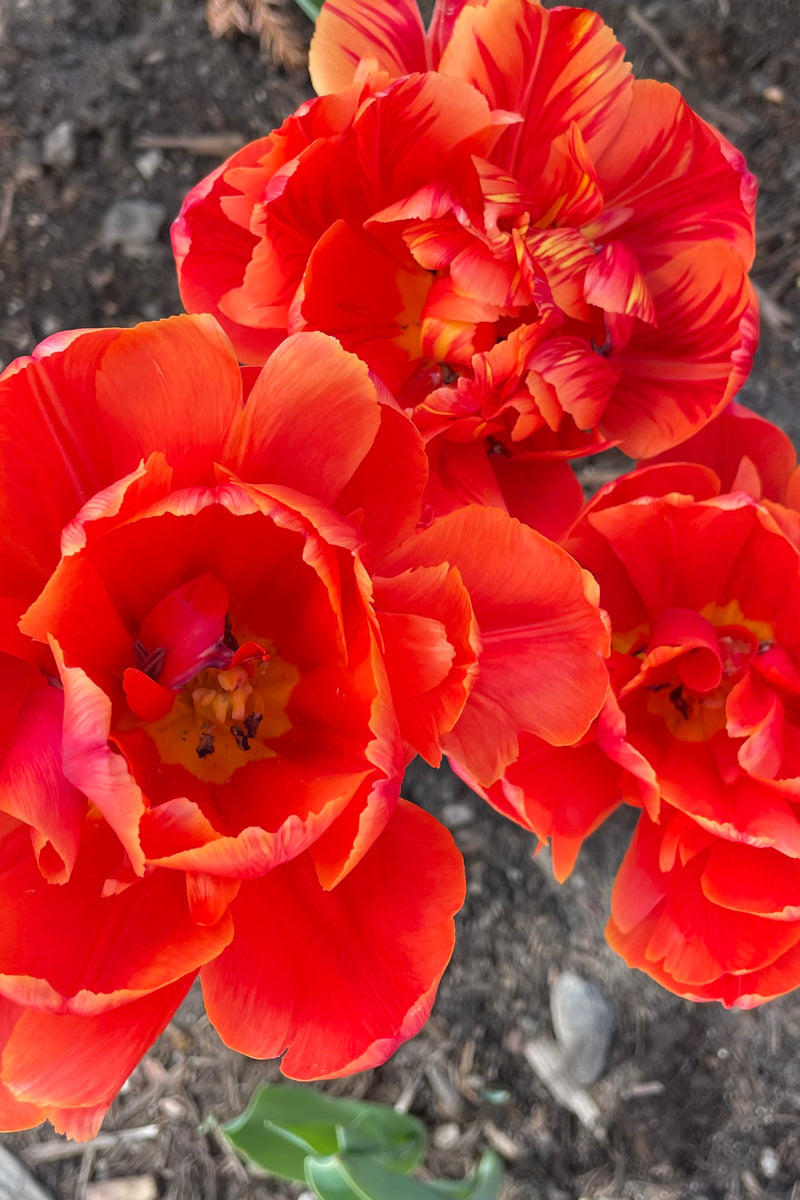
(695, 1102)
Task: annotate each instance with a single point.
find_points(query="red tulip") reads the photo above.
(222, 640)
(702, 589)
(538, 254)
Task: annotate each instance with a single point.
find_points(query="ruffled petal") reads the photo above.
(387, 335)
(52, 453)
(736, 436)
(541, 631)
(76, 1062)
(142, 937)
(678, 375)
(553, 68)
(431, 648)
(34, 788)
(668, 178)
(389, 31)
(281, 436)
(374, 950)
(90, 763)
(562, 795)
(173, 386)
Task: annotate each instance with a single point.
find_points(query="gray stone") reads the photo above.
(769, 1162)
(149, 163)
(583, 1021)
(446, 1136)
(133, 225)
(457, 815)
(59, 148)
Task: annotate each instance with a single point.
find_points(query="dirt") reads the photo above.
(695, 1102)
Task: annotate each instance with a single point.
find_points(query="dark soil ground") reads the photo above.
(695, 1102)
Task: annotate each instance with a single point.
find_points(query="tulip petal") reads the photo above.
(684, 371)
(91, 765)
(387, 334)
(34, 789)
(51, 458)
(431, 649)
(541, 631)
(310, 419)
(374, 950)
(758, 881)
(173, 386)
(562, 795)
(553, 68)
(62, 1061)
(733, 436)
(667, 171)
(142, 937)
(385, 491)
(392, 33)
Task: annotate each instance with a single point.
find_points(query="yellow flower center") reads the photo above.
(224, 719)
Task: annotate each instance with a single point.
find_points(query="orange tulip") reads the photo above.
(222, 639)
(538, 254)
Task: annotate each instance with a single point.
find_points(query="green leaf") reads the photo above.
(284, 1125)
(327, 1177)
(484, 1184)
(360, 1177)
(349, 1176)
(310, 7)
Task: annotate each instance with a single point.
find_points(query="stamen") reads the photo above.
(205, 745)
(149, 662)
(240, 737)
(252, 722)
(682, 705)
(229, 639)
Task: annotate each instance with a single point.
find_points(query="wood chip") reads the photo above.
(16, 1182)
(449, 1102)
(547, 1062)
(132, 1187)
(643, 1090)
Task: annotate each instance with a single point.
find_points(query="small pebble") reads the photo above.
(769, 1162)
(446, 1136)
(59, 148)
(133, 225)
(456, 815)
(147, 164)
(583, 1020)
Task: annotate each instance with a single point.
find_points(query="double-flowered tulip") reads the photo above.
(223, 635)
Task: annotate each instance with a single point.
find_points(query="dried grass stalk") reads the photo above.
(268, 21)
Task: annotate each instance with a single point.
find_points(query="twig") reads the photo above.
(16, 1183)
(657, 38)
(204, 145)
(53, 1151)
(85, 1173)
(6, 208)
(547, 1061)
(772, 313)
(723, 117)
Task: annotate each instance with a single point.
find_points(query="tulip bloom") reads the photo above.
(223, 637)
(702, 731)
(537, 253)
